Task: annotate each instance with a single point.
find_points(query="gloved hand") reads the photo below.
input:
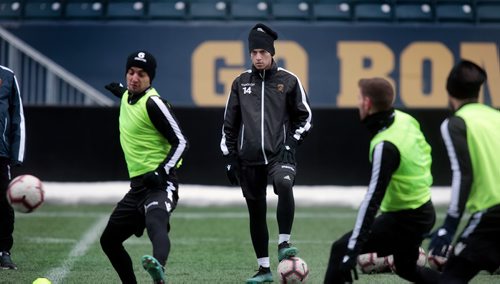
(287, 154)
(442, 237)
(116, 89)
(156, 178)
(232, 169)
(348, 266)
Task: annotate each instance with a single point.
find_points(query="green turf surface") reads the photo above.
(209, 245)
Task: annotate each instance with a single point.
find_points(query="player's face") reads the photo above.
(363, 105)
(261, 59)
(137, 80)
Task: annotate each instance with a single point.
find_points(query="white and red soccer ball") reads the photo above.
(437, 262)
(25, 193)
(371, 263)
(293, 270)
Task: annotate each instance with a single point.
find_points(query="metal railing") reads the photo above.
(42, 81)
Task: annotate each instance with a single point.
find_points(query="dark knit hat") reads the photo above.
(262, 37)
(465, 80)
(142, 59)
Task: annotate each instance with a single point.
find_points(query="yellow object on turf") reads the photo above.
(42, 281)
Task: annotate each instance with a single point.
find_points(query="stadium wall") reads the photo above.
(80, 144)
(198, 60)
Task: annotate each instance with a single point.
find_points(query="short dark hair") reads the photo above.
(379, 90)
(465, 80)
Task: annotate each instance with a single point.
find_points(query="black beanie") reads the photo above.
(262, 37)
(142, 59)
(465, 80)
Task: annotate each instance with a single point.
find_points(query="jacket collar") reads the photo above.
(134, 98)
(379, 121)
(264, 74)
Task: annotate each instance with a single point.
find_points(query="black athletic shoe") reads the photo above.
(263, 275)
(6, 261)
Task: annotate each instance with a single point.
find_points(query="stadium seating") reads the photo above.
(413, 11)
(454, 11)
(10, 9)
(291, 10)
(125, 9)
(332, 10)
(488, 11)
(249, 10)
(87, 9)
(208, 9)
(167, 9)
(43, 9)
(373, 11)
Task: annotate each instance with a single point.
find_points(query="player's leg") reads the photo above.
(123, 223)
(283, 178)
(158, 207)
(6, 218)
(253, 182)
(337, 252)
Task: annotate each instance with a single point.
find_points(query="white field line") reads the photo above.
(200, 195)
(57, 275)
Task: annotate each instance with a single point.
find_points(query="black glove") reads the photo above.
(442, 237)
(232, 169)
(288, 151)
(348, 267)
(155, 179)
(116, 89)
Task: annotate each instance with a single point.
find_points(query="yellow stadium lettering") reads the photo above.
(295, 58)
(353, 57)
(411, 77)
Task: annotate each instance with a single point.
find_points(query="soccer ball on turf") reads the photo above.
(371, 263)
(25, 193)
(437, 262)
(293, 270)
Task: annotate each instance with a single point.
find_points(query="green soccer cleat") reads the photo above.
(285, 250)
(154, 268)
(263, 275)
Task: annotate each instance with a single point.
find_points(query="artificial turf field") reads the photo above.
(209, 245)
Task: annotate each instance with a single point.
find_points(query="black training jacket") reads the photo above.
(264, 110)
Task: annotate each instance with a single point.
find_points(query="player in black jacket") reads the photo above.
(267, 115)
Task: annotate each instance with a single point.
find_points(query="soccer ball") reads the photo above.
(421, 260)
(293, 270)
(437, 262)
(25, 193)
(371, 263)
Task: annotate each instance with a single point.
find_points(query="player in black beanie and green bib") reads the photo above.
(472, 138)
(153, 145)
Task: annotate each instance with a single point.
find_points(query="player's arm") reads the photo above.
(17, 134)
(385, 161)
(165, 122)
(454, 133)
(232, 122)
(300, 113)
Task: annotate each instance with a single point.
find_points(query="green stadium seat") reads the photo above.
(454, 11)
(249, 10)
(413, 11)
(373, 11)
(291, 10)
(336, 10)
(488, 11)
(84, 9)
(10, 9)
(167, 9)
(208, 9)
(43, 9)
(126, 9)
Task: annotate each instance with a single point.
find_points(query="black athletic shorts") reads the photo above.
(480, 240)
(132, 209)
(254, 179)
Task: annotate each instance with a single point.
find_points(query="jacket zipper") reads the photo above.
(262, 117)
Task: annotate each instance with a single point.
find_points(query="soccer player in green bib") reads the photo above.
(399, 186)
(153, 145)
(472, 138)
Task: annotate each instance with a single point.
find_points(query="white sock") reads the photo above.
(263, 261)
(283, 238)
